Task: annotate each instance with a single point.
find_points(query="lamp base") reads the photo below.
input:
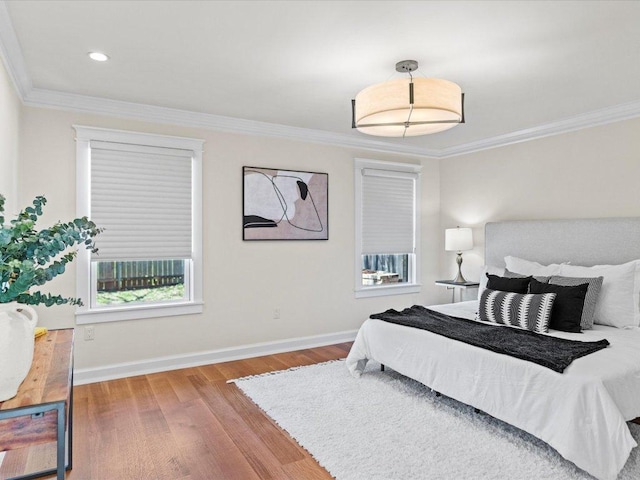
(459, 278)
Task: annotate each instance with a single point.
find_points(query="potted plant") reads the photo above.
(29, 259)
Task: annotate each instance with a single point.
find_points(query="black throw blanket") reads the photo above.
(551, 352)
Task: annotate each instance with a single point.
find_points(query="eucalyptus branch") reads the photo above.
(32, 258)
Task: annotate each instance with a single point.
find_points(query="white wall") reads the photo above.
(9, 133)
(589, 173)
(310, 282)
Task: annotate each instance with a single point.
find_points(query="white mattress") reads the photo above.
(582, 412)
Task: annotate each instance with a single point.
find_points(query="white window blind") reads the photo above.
(142, 197)
(388, 212)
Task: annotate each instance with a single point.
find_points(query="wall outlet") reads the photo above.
(276, 313)
(89, 333)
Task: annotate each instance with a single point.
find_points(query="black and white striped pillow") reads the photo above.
(529, 311)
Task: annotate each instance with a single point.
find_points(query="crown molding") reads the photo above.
(13, 60)
(94, 105)
(41, 98)
(11, 54)
(604, 116)
(37, 97)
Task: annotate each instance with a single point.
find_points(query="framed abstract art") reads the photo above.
(284, 204)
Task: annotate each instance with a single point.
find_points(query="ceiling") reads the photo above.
(528, 68)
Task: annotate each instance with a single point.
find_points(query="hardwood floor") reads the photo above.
(182, 425)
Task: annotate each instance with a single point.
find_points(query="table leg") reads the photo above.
(70, 425)
(61, 443)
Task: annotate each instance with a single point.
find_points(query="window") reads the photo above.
(145, 191)
(387, 228)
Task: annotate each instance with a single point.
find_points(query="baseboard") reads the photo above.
(83, 376)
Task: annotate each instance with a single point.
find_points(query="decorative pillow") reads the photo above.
(527, 267)
(567, 307)
(515, 285)
(509, 274)
(483, 276)
(617, 304)
(590, 300)
(527, 311)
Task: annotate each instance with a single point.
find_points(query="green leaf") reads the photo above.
(32, 258)
(5, 236)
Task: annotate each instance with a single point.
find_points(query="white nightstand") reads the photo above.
(456, 286)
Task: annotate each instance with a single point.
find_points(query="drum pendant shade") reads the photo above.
(408, 107)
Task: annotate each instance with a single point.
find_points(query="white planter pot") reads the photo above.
(17, 325)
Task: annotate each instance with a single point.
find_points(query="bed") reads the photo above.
(583, 412)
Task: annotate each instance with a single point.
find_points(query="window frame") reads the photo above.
(409, 287)
(84, 278)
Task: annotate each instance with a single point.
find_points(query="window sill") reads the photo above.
(116, 314)
(382, 290)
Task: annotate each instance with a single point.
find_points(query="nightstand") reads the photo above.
(456, 286)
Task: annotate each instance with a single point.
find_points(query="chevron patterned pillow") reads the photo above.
(528, 311)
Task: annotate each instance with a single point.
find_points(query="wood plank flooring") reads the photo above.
(181, 425)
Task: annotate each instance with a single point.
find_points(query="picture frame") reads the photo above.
(279, 204)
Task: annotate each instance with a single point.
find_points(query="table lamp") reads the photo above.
(457, 240)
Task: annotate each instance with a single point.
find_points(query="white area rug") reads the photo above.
(384, 426)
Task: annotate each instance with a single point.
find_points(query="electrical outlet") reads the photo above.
(89, 333)
(276, 314)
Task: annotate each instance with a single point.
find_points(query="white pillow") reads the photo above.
(617, 304)
(527, 267)
(491, 270)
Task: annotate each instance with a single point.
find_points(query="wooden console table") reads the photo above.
(38, 413)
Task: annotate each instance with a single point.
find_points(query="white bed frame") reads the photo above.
(581, 242)
(602, 241)
(600, 448)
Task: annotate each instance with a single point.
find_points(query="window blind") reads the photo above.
(142, 198)
(388, 212)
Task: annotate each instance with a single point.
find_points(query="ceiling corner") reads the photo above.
(11, 54)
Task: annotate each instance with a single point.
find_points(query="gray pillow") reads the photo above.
(510, 274)
(590, 299)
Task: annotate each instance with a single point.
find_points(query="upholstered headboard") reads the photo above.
(581, 242)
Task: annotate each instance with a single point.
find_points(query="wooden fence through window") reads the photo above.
(120, 276)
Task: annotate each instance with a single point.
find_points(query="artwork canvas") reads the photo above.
(284, 204)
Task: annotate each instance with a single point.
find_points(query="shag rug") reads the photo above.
(383, 426)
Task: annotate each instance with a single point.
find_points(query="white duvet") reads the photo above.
(582, 412)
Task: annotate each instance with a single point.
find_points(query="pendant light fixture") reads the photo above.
(408, 107)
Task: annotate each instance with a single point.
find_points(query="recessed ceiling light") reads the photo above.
(98, 57)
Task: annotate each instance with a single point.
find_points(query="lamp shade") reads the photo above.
(384, 109)
(458, 239)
